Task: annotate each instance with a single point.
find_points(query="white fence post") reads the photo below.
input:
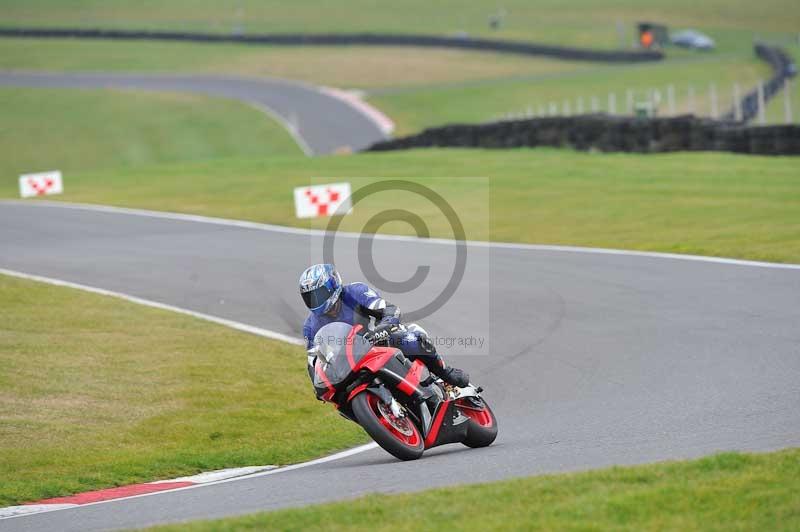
(737, 103)
(762, 113)
(612, 103)
(787, 101)
(629, 101)
(690, 100)
(553, 109)
(579, 106)
(565, 110)
(595, 105)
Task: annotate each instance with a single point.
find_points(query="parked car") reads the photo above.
(692, 39)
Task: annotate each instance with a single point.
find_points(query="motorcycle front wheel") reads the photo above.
(482, 429)
(398, 436)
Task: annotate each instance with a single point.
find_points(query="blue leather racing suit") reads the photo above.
(359, 304)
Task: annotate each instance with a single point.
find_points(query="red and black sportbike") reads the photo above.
(398, 402)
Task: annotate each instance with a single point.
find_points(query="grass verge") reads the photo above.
(96, 392)
(416, 108)
(577, 22)
(420, 88)
(700, 203)
(727, 491)
(72, 129)
(349, 66)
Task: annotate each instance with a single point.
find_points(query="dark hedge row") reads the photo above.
(609, 134)
(783, 68)
(346, 39)
(645, 135)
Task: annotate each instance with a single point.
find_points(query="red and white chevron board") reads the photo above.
(41, 184)
(322, 200)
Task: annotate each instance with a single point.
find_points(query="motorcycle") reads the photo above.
(398, 402)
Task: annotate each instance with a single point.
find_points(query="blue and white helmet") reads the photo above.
(320, 287)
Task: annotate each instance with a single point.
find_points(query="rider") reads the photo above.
(329, 300)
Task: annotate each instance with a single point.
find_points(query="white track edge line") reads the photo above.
(221, 321)
(31, 509)
(216, 474)
(292, 129)
(398, 238)
(336, 456)
(155, 304)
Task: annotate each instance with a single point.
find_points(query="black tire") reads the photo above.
(371, 421)
(480, 434)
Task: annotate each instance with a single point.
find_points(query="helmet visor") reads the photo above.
(317, 297)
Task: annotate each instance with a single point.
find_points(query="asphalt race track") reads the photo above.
(596, 359)
(319, 122)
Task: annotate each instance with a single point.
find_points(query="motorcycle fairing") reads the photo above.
(440, 420)
(449, 424)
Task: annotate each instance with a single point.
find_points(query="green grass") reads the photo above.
(581, 22)
(96, 392)
(422, 88)
(71, 129)
(417, 108)
(702, 203)
(349, 66)
(729, 491)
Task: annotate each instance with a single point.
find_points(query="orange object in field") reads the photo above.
(646, 39)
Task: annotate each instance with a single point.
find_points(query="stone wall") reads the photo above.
(609, 134)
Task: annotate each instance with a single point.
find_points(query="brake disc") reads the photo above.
(401, 424)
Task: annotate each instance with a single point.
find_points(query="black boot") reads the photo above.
(456, 377)
(435, 363)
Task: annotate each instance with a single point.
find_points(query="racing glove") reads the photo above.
(456, 377)
(380, 334)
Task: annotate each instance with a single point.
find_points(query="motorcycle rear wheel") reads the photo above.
(482, 429)
(399, 437)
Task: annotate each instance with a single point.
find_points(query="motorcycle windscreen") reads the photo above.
(337, 351)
